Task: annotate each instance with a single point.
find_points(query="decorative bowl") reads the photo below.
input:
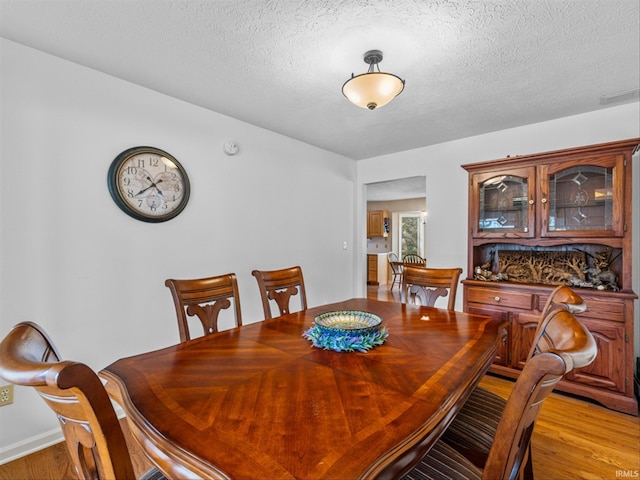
(347, 331)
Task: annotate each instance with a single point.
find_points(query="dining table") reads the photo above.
(260, 401)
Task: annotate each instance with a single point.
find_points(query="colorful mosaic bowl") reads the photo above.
(347, 331)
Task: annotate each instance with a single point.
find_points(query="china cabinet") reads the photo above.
(377, 223)
(557, 218)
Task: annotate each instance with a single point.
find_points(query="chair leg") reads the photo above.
(527, 471)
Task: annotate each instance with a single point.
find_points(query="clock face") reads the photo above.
(148, 184)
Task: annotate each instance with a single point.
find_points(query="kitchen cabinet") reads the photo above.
(377, 269)
(557, 218)
(377, 223)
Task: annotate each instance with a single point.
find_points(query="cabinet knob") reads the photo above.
(497, 299)
(531, 201)
(544, 200)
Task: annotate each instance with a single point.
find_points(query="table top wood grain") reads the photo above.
(260, 402)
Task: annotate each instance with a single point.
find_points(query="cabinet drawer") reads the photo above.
(603, 308)
(502, 298)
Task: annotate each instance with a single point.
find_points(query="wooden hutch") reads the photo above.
(562, 217)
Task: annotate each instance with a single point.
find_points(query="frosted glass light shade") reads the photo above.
(372, 90)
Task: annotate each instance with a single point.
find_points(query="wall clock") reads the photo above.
(148, 184)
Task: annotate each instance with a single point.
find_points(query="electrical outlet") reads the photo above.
(6, 395)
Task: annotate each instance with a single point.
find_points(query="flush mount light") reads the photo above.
(373, 89)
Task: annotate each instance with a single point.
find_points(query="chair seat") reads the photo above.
(475, 425)
(444, 463)
(153, 474)
(569, 344)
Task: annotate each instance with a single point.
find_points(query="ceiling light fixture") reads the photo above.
(373, 89)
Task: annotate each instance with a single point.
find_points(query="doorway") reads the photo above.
(404, 200)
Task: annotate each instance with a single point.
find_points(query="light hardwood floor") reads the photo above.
(573, 439)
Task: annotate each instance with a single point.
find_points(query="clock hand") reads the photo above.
(151, 186)
(157, 189)
(144, 190)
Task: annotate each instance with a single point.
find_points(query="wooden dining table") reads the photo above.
(260, 402)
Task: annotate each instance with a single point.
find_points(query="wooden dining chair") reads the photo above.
(426, 285)
(564, 297)
(280, 286)
(474, 427)
(204, 298)
(571, 346)
(396, 269)
(95, 441)
(414, 259)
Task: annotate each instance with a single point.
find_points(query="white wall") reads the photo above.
(446, 229)
(94, 277)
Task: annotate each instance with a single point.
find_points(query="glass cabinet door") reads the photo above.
(582, 200)
(505, 204)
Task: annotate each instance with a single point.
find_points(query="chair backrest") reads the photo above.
(427, 284)
(280, 286)
(204, 298)
(75, 393)
(394, 263)
(560, 297)
(564, 297)
(571, 346)
(413, 259)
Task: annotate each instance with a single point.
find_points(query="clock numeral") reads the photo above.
(126, 181)
(130, 193)
(141, 162)
(132, 170)
(154, 162)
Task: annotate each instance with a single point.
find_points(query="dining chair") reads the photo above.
(204, 298)
(426, 285)
(280, 286)
(475, 425)
(91, 429)
(564, 297)
(571, 346)
(396, 268)
(413, 259)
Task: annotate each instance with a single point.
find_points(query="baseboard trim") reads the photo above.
(38, 442)
(30, 445)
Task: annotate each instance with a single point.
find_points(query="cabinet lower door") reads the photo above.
(607, 370)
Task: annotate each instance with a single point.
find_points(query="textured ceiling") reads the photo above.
(470, 66)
